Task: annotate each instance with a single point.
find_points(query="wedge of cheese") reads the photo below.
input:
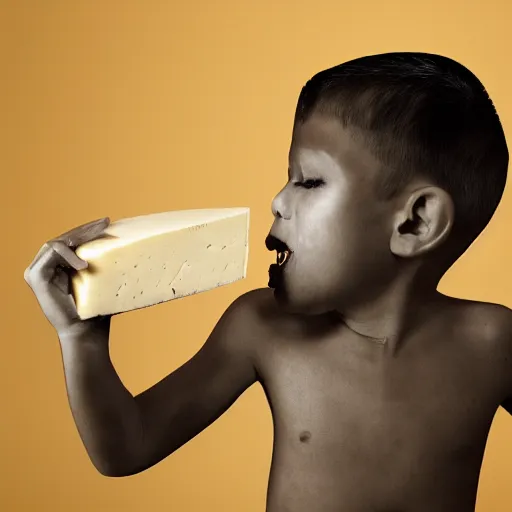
(146, 260)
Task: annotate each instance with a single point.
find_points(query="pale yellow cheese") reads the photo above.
(146, 260)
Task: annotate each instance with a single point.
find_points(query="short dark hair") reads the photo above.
(420, 113)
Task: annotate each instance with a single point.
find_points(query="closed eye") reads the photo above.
(310, 183)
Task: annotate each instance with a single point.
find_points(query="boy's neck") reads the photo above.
(389, 318)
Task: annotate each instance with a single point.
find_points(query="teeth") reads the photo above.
(282, 257)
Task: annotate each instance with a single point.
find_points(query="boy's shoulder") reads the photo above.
(485, 322)
(247, 313)
(257, 296)
(256, 307)
(246, 326)
(486, 330)
(258, 316)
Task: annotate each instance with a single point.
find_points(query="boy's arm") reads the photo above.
(188, 400)
(123, 434)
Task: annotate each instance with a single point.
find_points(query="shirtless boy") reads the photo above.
(382, 389)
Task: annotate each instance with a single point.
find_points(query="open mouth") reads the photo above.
(284, 253)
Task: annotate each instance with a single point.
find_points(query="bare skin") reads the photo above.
(359, 426)
(382, 390)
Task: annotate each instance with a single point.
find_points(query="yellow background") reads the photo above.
(122, 108)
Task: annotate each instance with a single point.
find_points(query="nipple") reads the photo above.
(305, 436)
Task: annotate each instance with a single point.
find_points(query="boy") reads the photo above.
(382, 389)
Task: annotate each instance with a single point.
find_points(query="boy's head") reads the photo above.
(420, 114)
(424, 162)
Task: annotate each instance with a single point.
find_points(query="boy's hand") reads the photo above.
(48, 275)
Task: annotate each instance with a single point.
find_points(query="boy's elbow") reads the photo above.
(117, 466)
(111, 470)
(115, 474)
(117, 470)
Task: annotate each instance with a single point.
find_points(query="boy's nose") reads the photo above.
(280, 207)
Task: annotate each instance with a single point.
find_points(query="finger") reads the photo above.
(68, 255)
(45, 257)
(74, 238)
(83, 233)
(44, 248)
(42, 270)
(47, 281)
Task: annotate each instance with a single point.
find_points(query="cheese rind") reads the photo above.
(146, 260)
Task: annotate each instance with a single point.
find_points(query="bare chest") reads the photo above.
(353, 417)
(362, 397)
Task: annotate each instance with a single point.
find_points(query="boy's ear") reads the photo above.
(423, 223)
